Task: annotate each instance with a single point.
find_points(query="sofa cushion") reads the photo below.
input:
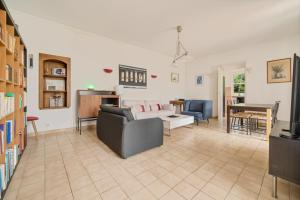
(126, 112)
(196, 106)
(146, 115)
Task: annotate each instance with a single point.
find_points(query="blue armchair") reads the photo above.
(200, 109)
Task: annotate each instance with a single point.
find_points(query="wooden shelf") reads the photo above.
(9, 52)
(12, 48)
(55, 76)
(2, 43)
(57, 91)
(9, 82)
(48, 63)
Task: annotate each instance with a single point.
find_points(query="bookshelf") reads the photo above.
(13, 90)
(54, 81)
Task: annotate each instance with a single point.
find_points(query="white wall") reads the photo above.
(255, 57)
(89, 55)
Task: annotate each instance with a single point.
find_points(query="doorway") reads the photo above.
(231, 87)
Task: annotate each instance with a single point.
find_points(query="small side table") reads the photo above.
(178, 103)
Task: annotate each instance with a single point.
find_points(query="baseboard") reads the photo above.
(31, 134)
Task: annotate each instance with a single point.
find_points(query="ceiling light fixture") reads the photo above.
(180, 50)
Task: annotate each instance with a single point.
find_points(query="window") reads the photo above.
(239, 83)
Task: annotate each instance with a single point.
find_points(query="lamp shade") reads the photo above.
(119, 89)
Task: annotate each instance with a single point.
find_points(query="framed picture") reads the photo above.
(199, 80)
(174, 77)
(279, 71)
(132, 77)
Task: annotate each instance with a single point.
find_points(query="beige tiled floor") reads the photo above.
(199, 163)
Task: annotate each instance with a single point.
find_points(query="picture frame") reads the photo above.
(132, 77)
(199, 80)
(279, 71)
(174, 77)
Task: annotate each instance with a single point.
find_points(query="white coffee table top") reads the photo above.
(176, 122)
(179, 117)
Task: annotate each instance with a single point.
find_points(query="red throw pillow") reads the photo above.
(142, 108)
(155, 107)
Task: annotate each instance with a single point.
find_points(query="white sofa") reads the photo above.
(148, 109)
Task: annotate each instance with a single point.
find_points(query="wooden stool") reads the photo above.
(32, 119)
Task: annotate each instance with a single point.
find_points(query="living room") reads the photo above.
(175, 61)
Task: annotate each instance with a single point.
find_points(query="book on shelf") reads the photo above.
(10, 42)
(1, 32)
(2, 138)
(25, 99)
(7, 103)
(22, 57)
(8, 73)
(9, 131)
(12, 156)
(2, 178)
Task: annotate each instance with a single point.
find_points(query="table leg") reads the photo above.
(274, 187)
(269, 123)
(80, 126)
(228, 119)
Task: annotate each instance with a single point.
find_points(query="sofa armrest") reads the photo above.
(207, 110)
(140, 135)
(168, 107)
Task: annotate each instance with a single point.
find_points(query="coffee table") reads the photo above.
(176, 122)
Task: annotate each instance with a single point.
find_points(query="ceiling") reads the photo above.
(209, 26)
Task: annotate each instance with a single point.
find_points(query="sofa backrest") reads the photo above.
(135, 103)
(125, 112)
(195, 105)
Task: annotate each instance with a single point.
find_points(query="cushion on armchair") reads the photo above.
(196, 107)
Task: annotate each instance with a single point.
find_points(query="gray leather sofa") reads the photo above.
(117, 128)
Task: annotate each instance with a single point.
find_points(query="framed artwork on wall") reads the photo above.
(279, 71)
(132, 77)
(199, 80)
(174, 77)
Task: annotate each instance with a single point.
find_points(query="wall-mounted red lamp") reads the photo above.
(107, 70)
(153, 76)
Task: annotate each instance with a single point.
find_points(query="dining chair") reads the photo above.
(258, 120)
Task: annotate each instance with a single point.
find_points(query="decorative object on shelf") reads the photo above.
(180, 49)
(59, 71)
(199, 80)
(90, 86)
(56, 101)
(174, 77)
(108, 70)
(279, 71)
(54, 81)
(55, 85)
(132, 77)
(31, 61)
(153, 76)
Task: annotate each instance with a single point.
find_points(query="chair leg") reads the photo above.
(208, 121)
(197, 122)
(35, 129)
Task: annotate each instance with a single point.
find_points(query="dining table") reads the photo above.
(241, 107)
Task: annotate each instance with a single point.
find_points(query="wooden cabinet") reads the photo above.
(88, 105)
(89, 102)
